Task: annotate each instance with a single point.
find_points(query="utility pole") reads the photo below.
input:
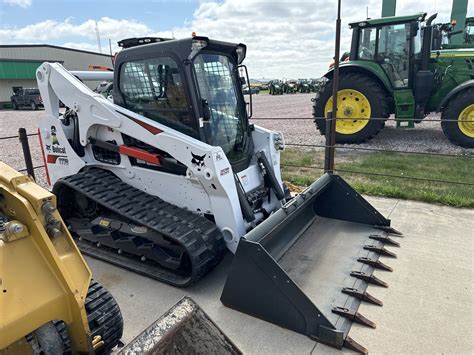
(98, 36)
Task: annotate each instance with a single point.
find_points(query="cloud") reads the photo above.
(22, 3)
(284, 38)
(50, 30)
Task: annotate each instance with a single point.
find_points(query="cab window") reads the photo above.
(154, 88)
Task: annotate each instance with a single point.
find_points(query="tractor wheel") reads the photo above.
(457, 119)
(359, 96)
(33, 106)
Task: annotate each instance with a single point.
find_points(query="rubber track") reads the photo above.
(200, 238)
(104, 316)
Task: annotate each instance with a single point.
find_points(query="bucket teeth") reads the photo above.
(353, 316)
(375, 263)
(363, 296)
(371, 279)
(385, 240)
(351, 344)
(389, 230)
(380, 250)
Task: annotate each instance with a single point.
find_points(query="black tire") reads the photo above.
(14, 105)
(33, 106)
(374, 93)
(104, 316)
(452, 111)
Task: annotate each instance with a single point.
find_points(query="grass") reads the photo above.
(400, 165)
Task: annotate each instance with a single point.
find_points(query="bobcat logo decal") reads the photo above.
(198, 160)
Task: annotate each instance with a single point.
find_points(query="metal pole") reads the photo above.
(331, 119)
(26, 152)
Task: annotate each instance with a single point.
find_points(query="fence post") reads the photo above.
(329, 153)
(26, 152)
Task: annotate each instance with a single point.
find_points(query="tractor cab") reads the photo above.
(393, 43)
(192, 85)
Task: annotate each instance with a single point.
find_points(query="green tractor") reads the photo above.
(393, 70)
(303, 86)
(290, 87)
(315, 84)
(450, 38)
(276, 87)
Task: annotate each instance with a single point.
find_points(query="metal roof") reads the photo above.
(51, 46)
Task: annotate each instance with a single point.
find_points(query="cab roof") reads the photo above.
(389, 20)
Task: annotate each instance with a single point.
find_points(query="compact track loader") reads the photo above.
(170, 174)
(48, 302)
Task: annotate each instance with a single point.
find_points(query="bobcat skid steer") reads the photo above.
(170, 174)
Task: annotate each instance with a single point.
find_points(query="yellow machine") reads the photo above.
(48, 302)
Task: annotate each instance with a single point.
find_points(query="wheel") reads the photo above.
(15, 105)
(457, 119)
(33, 106)
(104, 316)
(359, 96)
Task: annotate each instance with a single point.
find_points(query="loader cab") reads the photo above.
(394, 43)
(192, 85)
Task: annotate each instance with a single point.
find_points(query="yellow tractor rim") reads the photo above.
(466, 121)
(351, 104)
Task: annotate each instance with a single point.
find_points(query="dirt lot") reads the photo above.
(297, 128)
(300, 129)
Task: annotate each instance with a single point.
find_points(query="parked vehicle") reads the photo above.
(252, 90)
(169, 174)
(276, 87)
(303, 86)
(401, 75)
(26, 98)
(104, 88)
(290, 87)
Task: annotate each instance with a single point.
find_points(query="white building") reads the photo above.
(18, 64)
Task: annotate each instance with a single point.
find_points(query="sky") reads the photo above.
(284, 38)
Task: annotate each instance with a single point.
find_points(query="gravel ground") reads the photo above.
(10, 149)
(297, 128)
(426, 137)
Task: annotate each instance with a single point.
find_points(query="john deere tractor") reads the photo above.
(393, 70)
(276, 87)
(290, 87)
(303, 86)
(451, 38)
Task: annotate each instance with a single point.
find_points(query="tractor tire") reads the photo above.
(14, 105)
(104, 316)
(459, 109)
(369, 90)
(33, 106)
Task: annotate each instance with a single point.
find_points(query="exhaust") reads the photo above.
(307, 267)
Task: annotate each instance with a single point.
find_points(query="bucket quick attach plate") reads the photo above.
(292, 268)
